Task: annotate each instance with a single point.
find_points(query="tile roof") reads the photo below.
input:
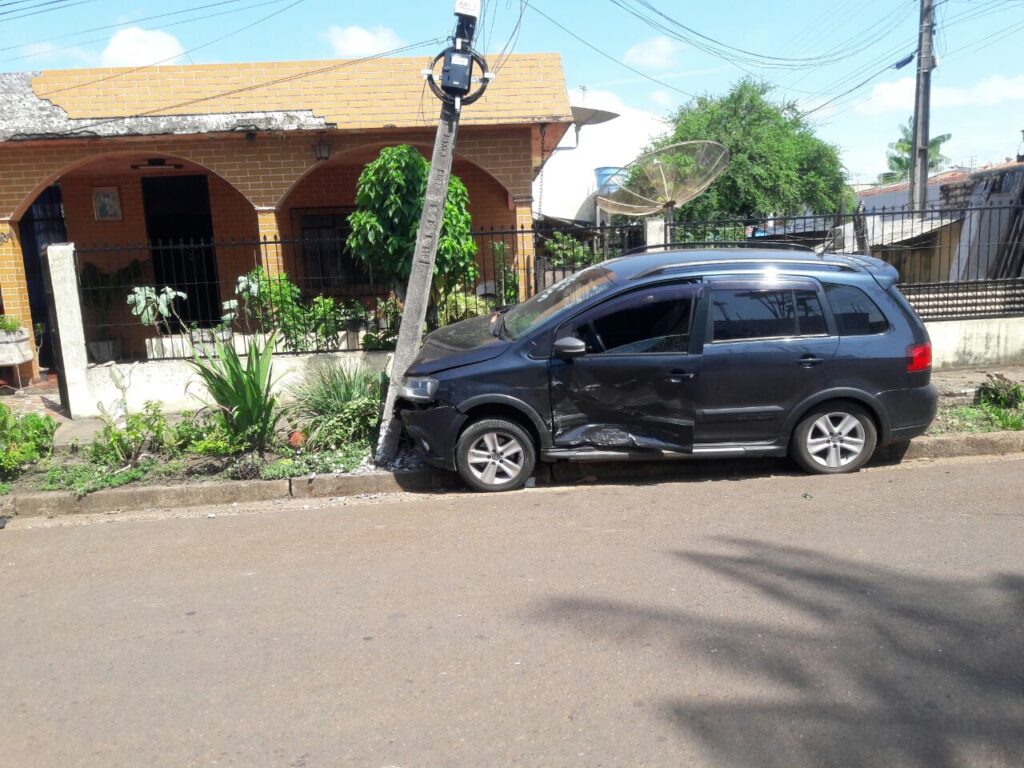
(530, 88)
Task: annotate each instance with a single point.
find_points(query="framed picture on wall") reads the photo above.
(106, 203)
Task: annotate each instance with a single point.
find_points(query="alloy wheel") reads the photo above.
(496, 458)
(835, 440)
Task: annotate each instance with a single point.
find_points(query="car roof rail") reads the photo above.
(735, 262)
(773, 245)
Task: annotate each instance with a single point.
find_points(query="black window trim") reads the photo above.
(782, 284)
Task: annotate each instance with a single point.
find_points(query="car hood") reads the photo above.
(453, 346)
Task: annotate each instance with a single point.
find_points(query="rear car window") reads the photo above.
(856, 314)
(752, 314)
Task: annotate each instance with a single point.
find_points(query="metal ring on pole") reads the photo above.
(470, 97)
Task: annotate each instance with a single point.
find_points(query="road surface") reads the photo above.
(771, 622)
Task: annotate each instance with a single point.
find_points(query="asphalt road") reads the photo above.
(778, 622)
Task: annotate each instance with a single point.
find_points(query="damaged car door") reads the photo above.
(622, 373)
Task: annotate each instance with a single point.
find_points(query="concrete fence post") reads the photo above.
(66, 314)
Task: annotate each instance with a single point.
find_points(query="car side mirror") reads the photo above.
(570, 348)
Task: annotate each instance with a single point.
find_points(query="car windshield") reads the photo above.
(559, 297)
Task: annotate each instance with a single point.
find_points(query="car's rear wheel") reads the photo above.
(495, 455)
(835, 438)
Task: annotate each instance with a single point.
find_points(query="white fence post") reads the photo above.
(67, 312)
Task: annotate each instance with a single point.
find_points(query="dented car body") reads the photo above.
(722, 352)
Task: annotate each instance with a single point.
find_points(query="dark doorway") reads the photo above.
(42, 226)
(180, 228)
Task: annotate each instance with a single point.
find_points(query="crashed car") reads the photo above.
(707, 353)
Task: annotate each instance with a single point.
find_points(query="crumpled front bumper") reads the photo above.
(434, 429)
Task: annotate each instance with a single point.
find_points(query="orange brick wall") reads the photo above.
(249, 180)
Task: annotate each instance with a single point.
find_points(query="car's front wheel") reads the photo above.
(835, 438)
(495, 455)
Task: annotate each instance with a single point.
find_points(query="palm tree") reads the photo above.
(901, 152)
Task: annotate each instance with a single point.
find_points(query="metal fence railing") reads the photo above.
(169, 300)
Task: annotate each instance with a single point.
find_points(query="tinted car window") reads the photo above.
(809, 315)
(752, 314)
(855, 313)
(655, 326)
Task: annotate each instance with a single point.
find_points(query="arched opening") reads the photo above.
(139, 219)
(313, 219)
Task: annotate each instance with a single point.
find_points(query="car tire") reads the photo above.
(834, 438)
(494, 455)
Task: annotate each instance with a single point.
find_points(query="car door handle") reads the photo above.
(808, 361)
(678, 377)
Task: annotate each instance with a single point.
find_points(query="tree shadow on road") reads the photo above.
(855, 665)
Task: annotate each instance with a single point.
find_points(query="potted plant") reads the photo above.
(100, 293)
(157, 308)
(15, 347)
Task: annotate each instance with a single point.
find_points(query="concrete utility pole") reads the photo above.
(922, 108)
(454, 93)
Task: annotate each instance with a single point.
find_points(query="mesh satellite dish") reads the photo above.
(659, 181)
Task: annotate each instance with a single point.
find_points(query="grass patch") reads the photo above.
(976, 419)
(84, 479)
(323, 463)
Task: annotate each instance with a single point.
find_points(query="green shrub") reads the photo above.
(335, 404)
(123, 444)
(244, 403)
(565, 251)
(1001, 392)
(1008, 419)
(9, 324)
(203, 435)
(24, 440)
(459, 305)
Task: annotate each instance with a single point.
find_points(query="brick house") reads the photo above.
(239, 152)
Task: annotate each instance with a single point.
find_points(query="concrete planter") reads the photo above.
(15, 347)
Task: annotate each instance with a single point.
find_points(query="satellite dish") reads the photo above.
(661, 180)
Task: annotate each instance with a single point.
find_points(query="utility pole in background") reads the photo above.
(454, 93)
(922, 108)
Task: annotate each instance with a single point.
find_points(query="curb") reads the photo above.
(54, 503)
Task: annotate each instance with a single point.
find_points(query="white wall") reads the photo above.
(568, 176)
(175, 384)
(957, 343)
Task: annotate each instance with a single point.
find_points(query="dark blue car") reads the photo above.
(702, 353)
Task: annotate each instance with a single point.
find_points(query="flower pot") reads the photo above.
(169, 347)
(104, 350)
(15, 347)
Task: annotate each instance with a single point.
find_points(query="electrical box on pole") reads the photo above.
(455, 91)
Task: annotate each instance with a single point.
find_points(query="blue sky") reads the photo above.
(979, 86)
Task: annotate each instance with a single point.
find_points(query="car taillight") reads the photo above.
(919, 357)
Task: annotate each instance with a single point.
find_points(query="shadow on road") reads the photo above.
(852, 665)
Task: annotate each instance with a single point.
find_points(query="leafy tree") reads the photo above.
(389, 200)
(777, 165)
(901, 152)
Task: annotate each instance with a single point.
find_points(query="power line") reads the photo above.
(31, 11)
(116, 26)
(607, 55)
(256, 86)
(133, 70)
(897, 65)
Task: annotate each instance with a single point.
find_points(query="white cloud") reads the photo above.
(356, 42)
(657, 53)
(898, 96)
(136, 47)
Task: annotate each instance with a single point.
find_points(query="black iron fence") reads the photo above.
(171, 300)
